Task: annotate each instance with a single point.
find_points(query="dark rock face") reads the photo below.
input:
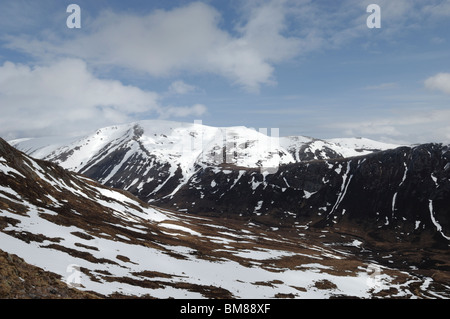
(406, 190)
(304, 153)
(143, 175)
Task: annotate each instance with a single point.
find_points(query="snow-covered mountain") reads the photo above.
(154, 159)
(104, 242)
(394, 192)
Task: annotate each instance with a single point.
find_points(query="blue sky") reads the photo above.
(306, 67)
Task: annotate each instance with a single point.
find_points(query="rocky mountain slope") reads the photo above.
(403, 193)
(154, 159)
(106, 243)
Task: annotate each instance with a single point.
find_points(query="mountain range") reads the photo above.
(166, 209)
(155, 159)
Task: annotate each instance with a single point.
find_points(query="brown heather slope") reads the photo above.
(20, 280)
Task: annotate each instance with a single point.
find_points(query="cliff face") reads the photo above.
(405, 190)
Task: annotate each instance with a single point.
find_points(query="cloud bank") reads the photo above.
(66, 97)
(439, 82)
(184, 39)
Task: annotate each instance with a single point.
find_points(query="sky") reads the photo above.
(311, 68)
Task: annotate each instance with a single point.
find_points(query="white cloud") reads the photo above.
(180, 87)
(65, 97)
(440, 82)
(183, 111)
(263, 32)
(424, 126)
(440, 9)
(382, 86)
(188, 38)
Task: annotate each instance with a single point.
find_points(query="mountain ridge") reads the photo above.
(392, 188)
(151, 159)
